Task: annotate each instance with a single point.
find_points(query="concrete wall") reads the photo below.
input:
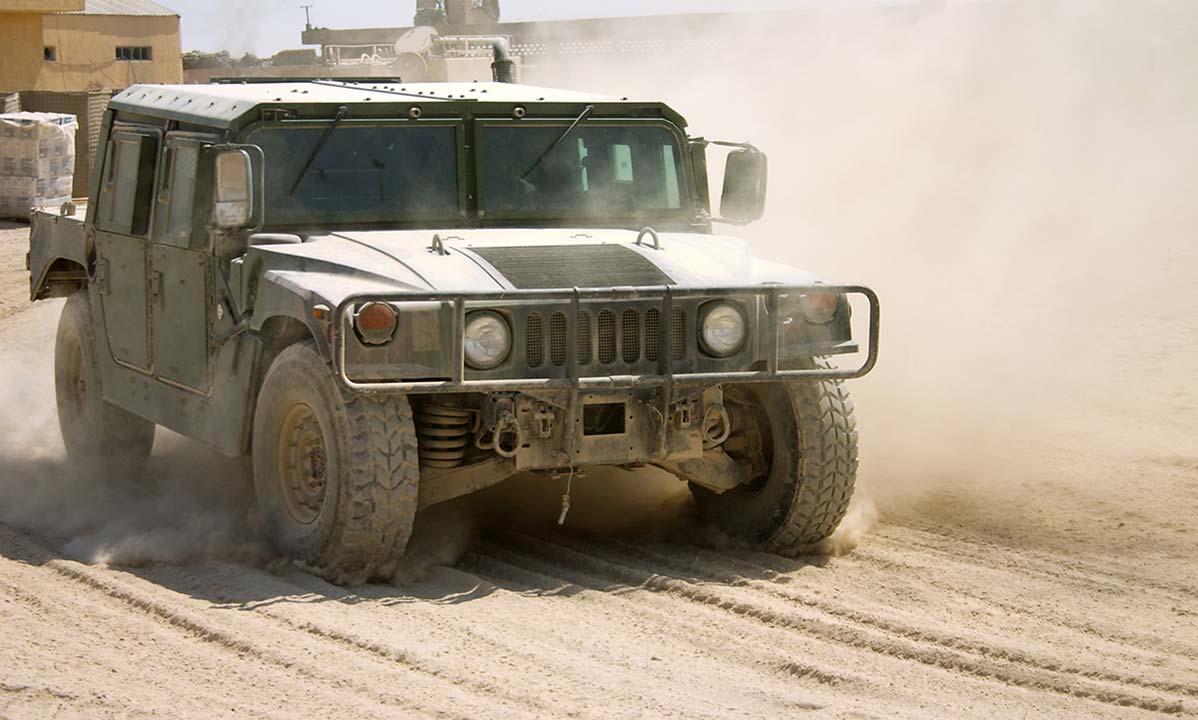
(20, 50)
(86, 46)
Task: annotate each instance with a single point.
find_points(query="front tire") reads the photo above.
(336, 474)
(97, 434)
(798, 442)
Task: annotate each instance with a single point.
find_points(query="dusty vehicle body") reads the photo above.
(392, 295)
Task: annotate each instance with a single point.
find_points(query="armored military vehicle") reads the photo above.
(389, 295)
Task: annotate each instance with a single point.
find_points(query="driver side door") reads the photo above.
(122, 224)
(181, 266)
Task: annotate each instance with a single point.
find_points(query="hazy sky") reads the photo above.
(265, 26)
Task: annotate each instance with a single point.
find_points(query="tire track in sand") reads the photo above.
(506, 568)
(895, 559)
(905, 649)
(553, 659)
(721, 569)
(243, 641)
(553, 651)
(1028, 561)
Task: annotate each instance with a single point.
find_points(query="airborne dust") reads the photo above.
(1014, 179)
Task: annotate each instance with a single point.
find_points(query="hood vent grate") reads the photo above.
(569, 266)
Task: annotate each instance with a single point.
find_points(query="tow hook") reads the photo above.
(716, 426)
(502, 433)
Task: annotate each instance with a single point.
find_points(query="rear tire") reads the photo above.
(97, 434)
(798, 442)
(335, 473)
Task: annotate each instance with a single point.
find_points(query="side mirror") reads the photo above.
(745, 177)
(234, 189)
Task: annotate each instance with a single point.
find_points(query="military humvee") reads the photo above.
(388, 295)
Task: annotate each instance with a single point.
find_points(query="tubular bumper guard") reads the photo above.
(665, 376)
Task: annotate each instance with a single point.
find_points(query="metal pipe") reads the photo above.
(503, 68)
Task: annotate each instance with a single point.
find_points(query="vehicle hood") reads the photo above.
(495, 259)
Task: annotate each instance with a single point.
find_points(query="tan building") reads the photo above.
(70, 45)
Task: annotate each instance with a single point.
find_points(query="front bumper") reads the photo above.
(772, 351)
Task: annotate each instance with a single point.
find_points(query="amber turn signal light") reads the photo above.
(375, 323)
(819, 307)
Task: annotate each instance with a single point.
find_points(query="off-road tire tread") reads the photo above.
(812, 478)
(116, 440)
(827, 472)
(382, 480)
(379, 476)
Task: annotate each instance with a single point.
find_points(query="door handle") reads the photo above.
(156, 290)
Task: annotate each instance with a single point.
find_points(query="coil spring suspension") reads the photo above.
(443, 433)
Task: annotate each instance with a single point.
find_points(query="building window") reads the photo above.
(133, 53)
(50, 54)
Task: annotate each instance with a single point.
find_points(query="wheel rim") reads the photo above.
(301, 464)
(750, 441)
(76, 381)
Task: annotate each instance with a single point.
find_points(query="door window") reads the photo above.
(176, 198)
(127, 193)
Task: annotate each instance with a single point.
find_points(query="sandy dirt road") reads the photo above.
(1016, 184)
(1067, 590)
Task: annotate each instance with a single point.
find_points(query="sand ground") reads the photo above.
(1014, 179)
(1068, 592)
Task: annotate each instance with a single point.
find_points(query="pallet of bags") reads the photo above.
(37, 161)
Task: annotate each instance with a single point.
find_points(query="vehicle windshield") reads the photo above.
(363, 174)
(614, 172)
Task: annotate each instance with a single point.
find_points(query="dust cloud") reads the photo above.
(441, 535)
(1013, 178)
(1015, 181)
(189, 505)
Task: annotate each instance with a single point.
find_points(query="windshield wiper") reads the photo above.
(324, 138)
(560, 139)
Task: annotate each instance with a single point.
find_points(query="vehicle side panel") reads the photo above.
(121, 263)
(275, 297)
(218, 418)
(57, 255)
(181, 333)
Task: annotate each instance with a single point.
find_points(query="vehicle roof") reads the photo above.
(228, 104)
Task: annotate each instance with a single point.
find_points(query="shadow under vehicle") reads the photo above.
(388, 295)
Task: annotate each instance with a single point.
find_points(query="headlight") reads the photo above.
(488, 340)
(819, 306)
(722, 330)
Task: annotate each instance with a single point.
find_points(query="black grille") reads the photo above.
(678, 333)
(630, 330)
(534, 341)
(607, 337)
(569, 266)
(613, 338)
(557, 339)
(584, 338)
(652, 333)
